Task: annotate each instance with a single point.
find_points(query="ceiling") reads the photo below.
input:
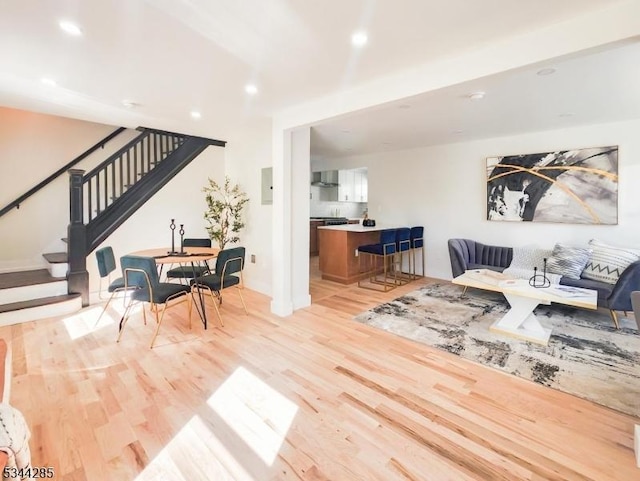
(594, 87)
(170, 57)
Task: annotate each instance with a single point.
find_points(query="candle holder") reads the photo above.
(540, 280)
(172, 226)
(181, 238)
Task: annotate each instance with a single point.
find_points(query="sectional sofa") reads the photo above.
(468, 254)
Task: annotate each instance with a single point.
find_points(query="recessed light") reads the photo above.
(359, 39)
(476, 95)
(49, 82)
(404, 106)
(546, 71)
(195, 114)
(458, 131)
(70, 28)
(251, 89)
(566, 114)
(130, 104)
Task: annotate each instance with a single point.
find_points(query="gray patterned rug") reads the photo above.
(586, 355)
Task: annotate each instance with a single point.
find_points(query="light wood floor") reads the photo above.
(315, 396)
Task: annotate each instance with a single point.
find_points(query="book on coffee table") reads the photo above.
(569, 291)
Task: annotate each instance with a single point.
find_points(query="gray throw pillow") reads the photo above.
(568, 261)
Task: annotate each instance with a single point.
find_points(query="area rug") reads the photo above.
(586, 355)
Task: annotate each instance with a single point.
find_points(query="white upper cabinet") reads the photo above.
(360, 186)
(353, 185)
(346, 188)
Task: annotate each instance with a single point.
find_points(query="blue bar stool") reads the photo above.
(403, 245)
(384, 250)
(417, 242)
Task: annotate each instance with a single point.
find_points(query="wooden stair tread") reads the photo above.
(43, 301)
(26, 278)
(56, 257)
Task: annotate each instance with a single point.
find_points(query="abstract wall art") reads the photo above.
(569, 186)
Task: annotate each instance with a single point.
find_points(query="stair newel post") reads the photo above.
(77, 276)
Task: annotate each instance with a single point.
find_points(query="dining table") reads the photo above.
(186, 256)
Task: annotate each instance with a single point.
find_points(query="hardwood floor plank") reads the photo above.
(313, 396)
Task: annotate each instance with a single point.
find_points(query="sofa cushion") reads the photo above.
(604, 289)
(607, 262)
(568, 261)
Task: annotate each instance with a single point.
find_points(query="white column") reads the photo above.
(281, 301)
(301, 178)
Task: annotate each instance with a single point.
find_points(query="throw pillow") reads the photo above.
(607, 263)
(525, 259)
(528, 257)
(568, 261)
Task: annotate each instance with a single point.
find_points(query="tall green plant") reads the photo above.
(224, 211)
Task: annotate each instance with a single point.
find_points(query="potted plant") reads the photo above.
(224, 211)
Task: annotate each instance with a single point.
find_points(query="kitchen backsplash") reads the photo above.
(324, 208)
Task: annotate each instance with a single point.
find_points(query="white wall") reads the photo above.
(32, 147)
(246, 154)
(444, 189)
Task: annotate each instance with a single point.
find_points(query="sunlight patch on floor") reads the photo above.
(237, 440)
(85, 322)
(256, 412)
(194, 454)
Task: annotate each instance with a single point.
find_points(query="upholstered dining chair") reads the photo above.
(141, 273)
(228, 273)
(106, 266)
(185, 272)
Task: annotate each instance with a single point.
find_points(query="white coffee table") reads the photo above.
(520, 321)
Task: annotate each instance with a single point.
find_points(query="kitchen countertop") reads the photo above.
(356, 227)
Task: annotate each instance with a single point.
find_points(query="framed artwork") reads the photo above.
(569, 186)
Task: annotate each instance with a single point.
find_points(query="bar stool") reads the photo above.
(403, 245)
(384, 250)
(416, 239)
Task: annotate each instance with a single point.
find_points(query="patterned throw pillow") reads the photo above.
(528, 257)
(525, 259)
(608, 262)
(568, 261)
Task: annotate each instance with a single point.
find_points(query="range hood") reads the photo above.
(327, 178)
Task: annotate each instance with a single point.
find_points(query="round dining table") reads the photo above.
(187, 255)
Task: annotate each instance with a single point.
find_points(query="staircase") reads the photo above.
(31, 295)
(100, 202)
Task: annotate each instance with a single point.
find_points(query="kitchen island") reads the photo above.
(338, 244)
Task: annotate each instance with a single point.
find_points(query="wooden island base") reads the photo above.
(338, 247)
